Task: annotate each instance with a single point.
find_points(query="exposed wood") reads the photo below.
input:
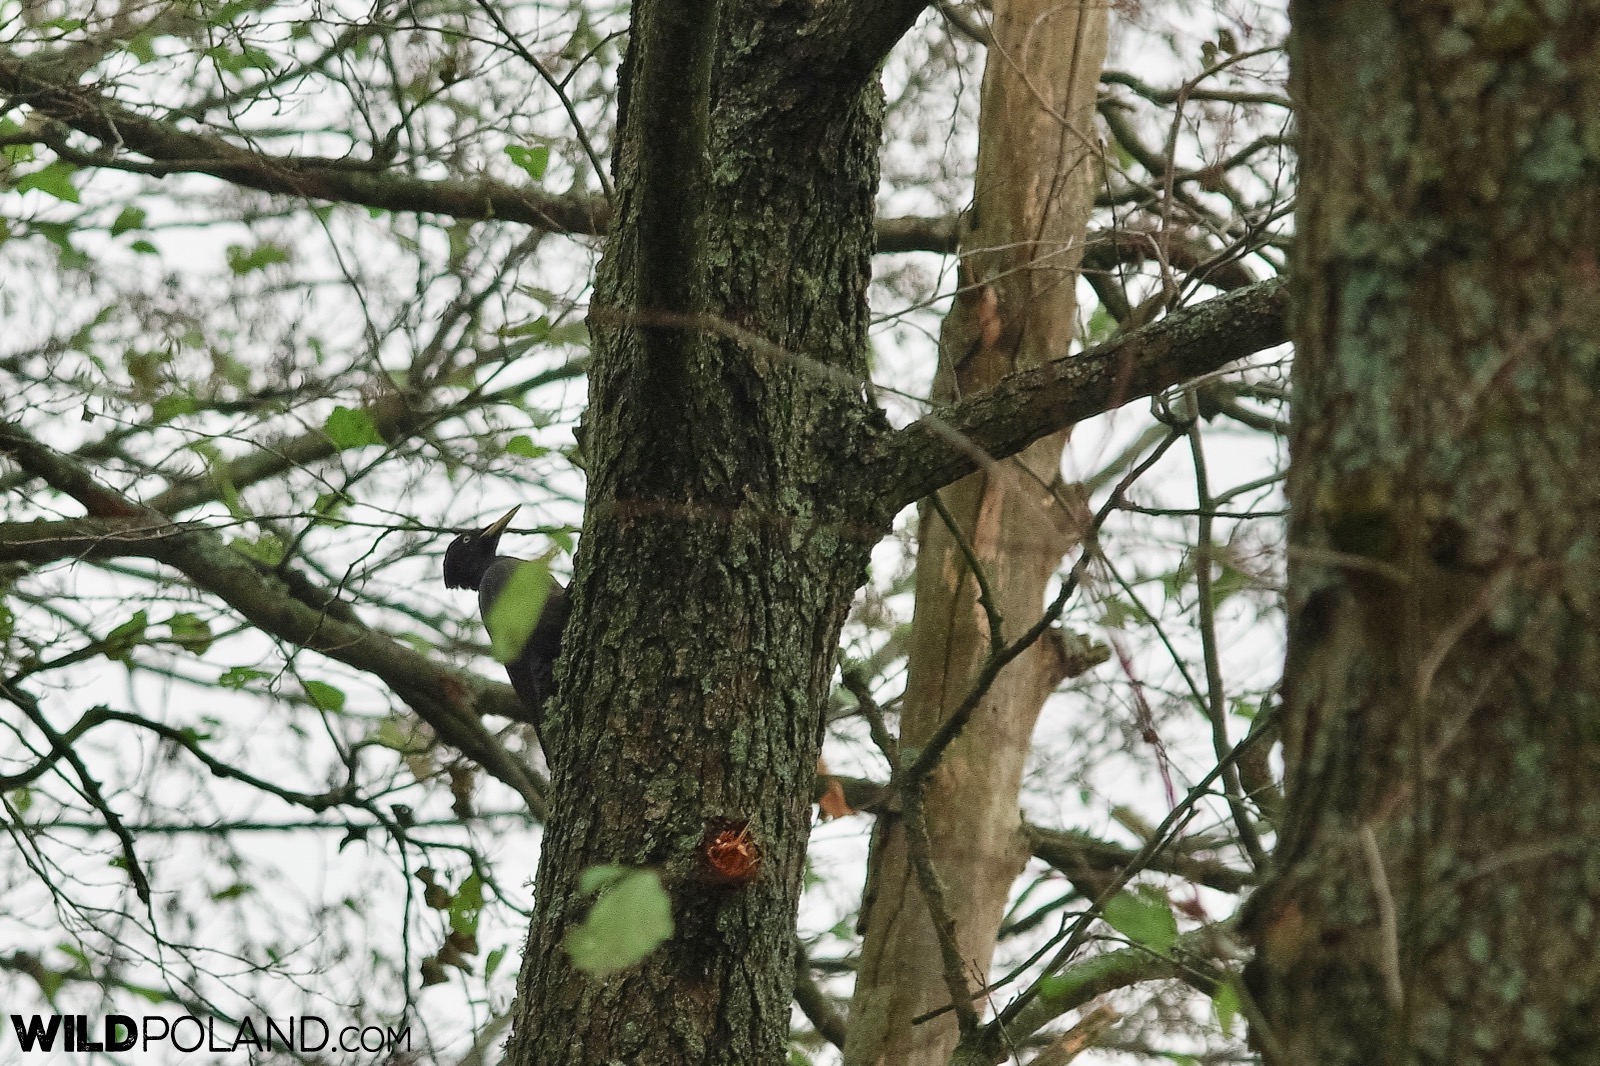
(941, 874)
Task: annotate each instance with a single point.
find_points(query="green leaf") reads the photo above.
(1227, 581)
(267, 549)
(54, 180)
(595, 878)
(398, 736)
(233, 891)
(1116, 614)
(533, 160)
(190, 632)
(232, 12)
(1144, 918)
(324, 696)
(1225, 1002)
(144, 247)
(467, 905)
(349, 428)
(1101, 325)
(123, 639)
(538, 329)
(50, 983)
(142, 47)
(237, 677)
(492, 963)
(328, 506)
(516, 609)
(258, 58)
(153, 995)
(242, 260)
(221, 475)
(629, 920)
(130, 218)
(173, 405)
(574, 332)
(248, 58)
(523, 445)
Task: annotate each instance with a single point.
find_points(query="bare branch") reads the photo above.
(173, 150)
(1030, 403)
(920, 851)
(1070, 851)
(91, 788)
(814, 1002)
(450, 701)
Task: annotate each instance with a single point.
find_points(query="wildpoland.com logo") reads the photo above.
(57, 1033)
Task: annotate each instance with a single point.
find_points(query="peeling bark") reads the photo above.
(1037, 167)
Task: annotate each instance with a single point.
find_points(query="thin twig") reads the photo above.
(561, 94)
(991, 609)
(1216, 703)
(952, 726)
(1163, 836)
(91, 788)
(1388, 920)
(920, 851)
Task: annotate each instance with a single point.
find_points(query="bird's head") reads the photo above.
(472, 552)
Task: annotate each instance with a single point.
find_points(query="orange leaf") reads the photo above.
(832, 800)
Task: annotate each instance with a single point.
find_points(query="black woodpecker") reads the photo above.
(471, 562)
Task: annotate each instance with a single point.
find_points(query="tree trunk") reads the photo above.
(1035, 188)
(724, 532)
(1434, 899)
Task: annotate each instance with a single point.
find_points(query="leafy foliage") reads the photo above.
(1143, 917)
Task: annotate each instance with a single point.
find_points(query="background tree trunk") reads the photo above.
(1437, 874)
(1037, 173)
(723, 534)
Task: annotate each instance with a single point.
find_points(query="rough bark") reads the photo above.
(724, 533)
(1035, 187)
(1434, 899)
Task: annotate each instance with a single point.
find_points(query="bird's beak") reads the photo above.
(499, 525)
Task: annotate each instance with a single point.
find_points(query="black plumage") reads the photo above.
(472, 561)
